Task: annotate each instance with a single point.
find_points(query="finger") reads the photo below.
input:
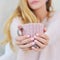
(39, 44)
(27, 45)
(19, 38)
(44, 36)
(27, 49)
(24, 41)
(27, 41)
(43, 41)
(36, 49)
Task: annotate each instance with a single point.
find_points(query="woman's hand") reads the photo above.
(41, 40)
(24, 42)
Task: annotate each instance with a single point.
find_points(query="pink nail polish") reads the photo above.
(28, 35)
(32, 47)
(33, 43)
(32, 38)
(37, 34)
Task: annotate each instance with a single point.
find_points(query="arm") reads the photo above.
(54, 31)
(9, 54)
(52, 50)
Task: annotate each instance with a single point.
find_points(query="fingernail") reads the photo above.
(37, 34)
(28, 35)
(32, 38)
(33, 43)
(32, 47)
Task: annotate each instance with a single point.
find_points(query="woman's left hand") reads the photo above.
(41, 40)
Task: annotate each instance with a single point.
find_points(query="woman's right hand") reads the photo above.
(24, 42)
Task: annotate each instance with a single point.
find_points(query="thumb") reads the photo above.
(44, 30)
(20, 27)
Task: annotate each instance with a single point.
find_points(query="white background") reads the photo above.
(7, 7)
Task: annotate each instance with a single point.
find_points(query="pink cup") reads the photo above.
(31, 29)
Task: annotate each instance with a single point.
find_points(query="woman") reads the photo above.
(32, 11)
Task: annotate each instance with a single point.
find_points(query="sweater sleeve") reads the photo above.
(9, 54)
(14, 27)
(53, 30)
(52, 50)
